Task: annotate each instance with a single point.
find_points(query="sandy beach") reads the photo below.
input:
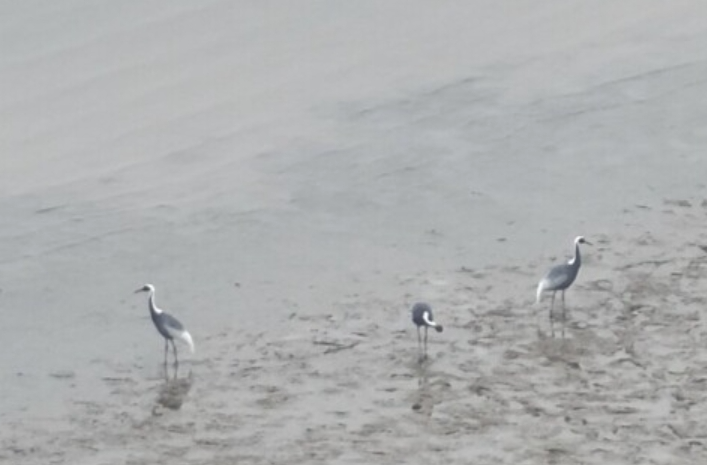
(292, 177)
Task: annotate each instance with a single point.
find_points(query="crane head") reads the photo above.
(146, 288)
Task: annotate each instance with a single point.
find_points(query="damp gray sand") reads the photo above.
(293, 179)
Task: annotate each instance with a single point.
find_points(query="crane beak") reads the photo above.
(137, 291)
(587, 242)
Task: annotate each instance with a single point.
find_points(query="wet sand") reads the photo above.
(293, 179)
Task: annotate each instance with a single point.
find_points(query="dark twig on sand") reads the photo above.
(335, 346)
(655, 263)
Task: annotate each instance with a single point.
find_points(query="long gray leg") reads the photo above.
(174, 348)
(166, 348)
(564, 312)
(419, 342)
(426, 329)
(552, 315)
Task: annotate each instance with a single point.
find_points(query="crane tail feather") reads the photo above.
(541, 288)
(186, 337)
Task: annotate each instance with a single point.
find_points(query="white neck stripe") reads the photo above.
(152, 303)
(426, 318)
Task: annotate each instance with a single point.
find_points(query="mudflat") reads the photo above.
(292, 178)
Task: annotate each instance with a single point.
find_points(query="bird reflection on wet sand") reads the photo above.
(424, 401)
(173, 392)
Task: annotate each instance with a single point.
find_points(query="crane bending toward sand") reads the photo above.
(422, 317)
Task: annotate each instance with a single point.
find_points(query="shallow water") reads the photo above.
(313, 176)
